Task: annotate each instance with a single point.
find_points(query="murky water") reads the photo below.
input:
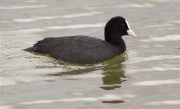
(147, 76)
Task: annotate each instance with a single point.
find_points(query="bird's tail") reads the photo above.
(31, 49)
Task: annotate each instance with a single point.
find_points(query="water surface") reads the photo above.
(147, 76)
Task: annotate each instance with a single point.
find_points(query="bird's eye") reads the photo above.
(122, 24)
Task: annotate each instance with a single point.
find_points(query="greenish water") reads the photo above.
(147, 76)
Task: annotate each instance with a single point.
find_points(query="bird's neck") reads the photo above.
(116, 40)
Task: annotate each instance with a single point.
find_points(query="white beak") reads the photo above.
(130, 32)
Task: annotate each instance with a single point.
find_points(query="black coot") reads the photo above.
(85, 49)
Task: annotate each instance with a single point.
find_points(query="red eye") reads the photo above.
(122, 24)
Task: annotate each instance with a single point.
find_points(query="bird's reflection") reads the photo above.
(113, 73)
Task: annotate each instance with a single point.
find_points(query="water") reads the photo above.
(147, 76)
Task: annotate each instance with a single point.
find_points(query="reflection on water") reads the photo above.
(113, 72)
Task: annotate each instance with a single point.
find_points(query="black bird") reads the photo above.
(85, 49)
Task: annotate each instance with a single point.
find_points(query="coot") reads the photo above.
(84, 49)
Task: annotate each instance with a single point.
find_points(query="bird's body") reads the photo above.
(83, 49)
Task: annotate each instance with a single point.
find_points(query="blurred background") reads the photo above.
(146, 76)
